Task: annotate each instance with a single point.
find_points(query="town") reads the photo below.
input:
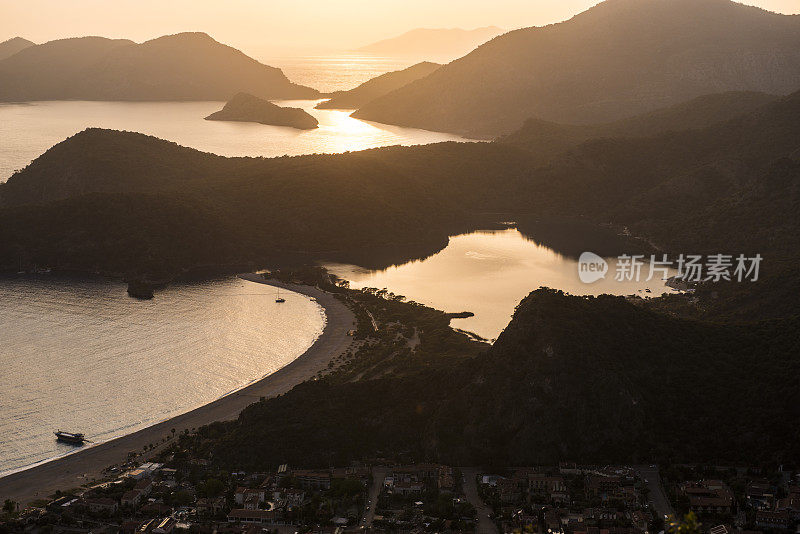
(376, 495)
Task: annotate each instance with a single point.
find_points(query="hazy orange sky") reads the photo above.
(268, 27)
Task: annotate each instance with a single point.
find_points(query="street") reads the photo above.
(658, 500)
(485, 524)
(378, 474)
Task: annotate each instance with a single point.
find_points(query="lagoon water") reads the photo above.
(488, 273)
(80, 355)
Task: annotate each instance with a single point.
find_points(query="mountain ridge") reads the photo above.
(11, 46)
(612, 61)
(432, 43)
(184, 66)
(377, 87)
(693, 192)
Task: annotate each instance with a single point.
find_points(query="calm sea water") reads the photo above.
(81, 355)
(335, 73)
(488, 273)
(28, 130)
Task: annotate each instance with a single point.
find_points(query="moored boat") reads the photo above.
(70, 437)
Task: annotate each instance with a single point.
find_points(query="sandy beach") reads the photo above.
(87, 465)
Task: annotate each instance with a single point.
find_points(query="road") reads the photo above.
(485, 524)
(657, 498)
(378, 475)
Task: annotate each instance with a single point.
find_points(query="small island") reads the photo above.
(248, 108)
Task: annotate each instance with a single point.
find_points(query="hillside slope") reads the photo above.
(595, 380)
(548, 139)
(731, 187)
(12, 46)
(618, 59)
(185, 66)
(377, 87)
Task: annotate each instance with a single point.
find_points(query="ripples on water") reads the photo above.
(488, 273)
(82, 356)
(28, 130)
(336, 73)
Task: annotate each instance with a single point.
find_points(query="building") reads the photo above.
(791, 505)
(252, 495)
(101, 504)
(709, 497)
(165, 526)
(773, 519)
(509, 490)
(760, 495)
(144, 486)
(315, 480)
(131, 499)
(61, 504)
(602, 486)
(252, 516)
(410, 487)
(210, 505)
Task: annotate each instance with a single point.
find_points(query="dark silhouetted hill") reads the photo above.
(378, 86)
(618, 59)
(12, 46)
(248, 108)
(549, 139)
(425, 43)
(596, 380)
(185, 66)
(731, 187)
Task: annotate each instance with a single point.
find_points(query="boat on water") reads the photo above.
(278, 297)
(70, 437)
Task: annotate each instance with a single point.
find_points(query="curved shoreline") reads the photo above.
(84, 466)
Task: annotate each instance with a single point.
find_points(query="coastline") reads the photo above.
(84, 466)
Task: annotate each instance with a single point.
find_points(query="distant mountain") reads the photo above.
(548, 139)
(248, 108)
(618, 59)
(378, 86)
(12, 46)
(185, 66)
(424, 43)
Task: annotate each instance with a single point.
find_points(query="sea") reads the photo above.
(78, 354)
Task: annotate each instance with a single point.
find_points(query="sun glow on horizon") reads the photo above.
(264, 28)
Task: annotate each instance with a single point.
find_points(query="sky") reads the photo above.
(284, 27)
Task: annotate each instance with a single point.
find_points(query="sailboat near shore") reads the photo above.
(278, 298)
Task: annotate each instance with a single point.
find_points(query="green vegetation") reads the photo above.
(125, 203)
(548, 139)
(597, 380)
(248, 108)
(689, 525)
